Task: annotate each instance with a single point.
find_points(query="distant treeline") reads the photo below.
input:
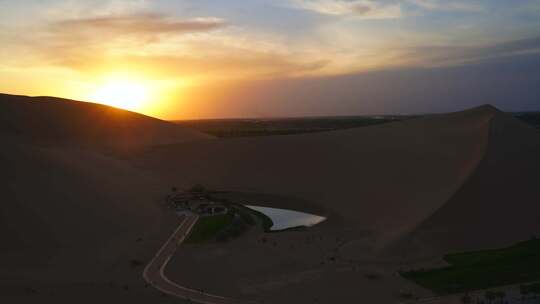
(283, 126)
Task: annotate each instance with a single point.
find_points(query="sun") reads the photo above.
(124, 94)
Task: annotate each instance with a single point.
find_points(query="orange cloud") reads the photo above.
(140, 24)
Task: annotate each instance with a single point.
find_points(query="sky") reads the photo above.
(176, 59)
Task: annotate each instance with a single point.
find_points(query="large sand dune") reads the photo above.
(72, 217)
(395, 195)
(73, 214)
(383, 179)
(55, 121)
(499, 204)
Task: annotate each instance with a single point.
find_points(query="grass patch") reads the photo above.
(222, 227)
(208, 227)
(482, 269)
(265, 220)
(241, 222)
(229, 128)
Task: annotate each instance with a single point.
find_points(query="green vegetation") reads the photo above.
(482, 269)
(222, 227)
(265, 220)
(235, 229)
(229, 128)
(283, 126)
(243, 219)
(208, 227)
(245, 214)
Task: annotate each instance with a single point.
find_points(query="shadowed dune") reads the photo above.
(73, 214)
(395, 195)
(499, 204)
(450, 181)
(384, 179)
(54, 121)
(392, 194)
(58, 183)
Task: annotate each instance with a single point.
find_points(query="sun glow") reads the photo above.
(125, 94)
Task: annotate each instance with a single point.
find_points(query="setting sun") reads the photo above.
(125, 94)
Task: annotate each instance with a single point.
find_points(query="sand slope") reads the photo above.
(400, 181)
(499, 204)
(72, 215)
(396, 195)
(53, 121)
(377, 184)
(384, 179)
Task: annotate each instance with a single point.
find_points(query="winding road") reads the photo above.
(154, 272)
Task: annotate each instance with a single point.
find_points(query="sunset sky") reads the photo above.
(195, 59)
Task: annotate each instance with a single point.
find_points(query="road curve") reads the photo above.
(154, 272)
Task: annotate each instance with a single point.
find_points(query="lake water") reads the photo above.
(283, 218)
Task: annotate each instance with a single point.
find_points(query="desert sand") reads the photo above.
(73, 216)
(83, 186)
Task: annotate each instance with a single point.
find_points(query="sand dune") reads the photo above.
(385, 179)
(73, 214)
(54, 121)
(59, 181)
(498, 205)
(396, 195)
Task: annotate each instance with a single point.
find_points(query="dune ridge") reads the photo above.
(56, 121)
(397, 196)
(75, 215)
(72, 214)
(384, 179)
(498, 192)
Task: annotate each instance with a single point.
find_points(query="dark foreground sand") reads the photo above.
(81, 200)
(73, 214)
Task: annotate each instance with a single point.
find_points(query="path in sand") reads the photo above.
(154, 271)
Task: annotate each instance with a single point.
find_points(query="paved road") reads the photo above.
(155, 276)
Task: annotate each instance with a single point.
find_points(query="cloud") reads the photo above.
(242, 64)
(70, 42)
(382, 9)
(447, 5)
(361, 9)
(139, 24)
(448, 56)
(83, 42)
(510, 83)
(365, 9)
(154, 45)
